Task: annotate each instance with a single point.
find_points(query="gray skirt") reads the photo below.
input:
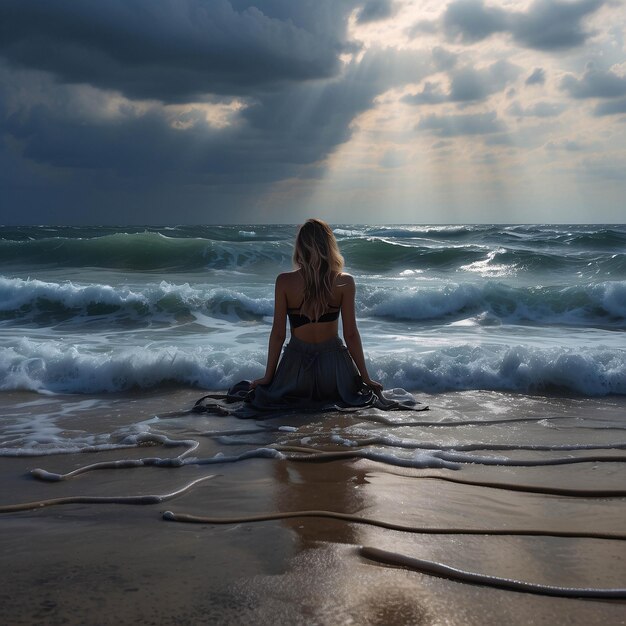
(309, 377)
(313, 376)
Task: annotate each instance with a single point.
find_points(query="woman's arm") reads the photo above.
(277, 335)
(351, 332)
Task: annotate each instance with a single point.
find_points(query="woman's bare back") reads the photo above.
(291, 285)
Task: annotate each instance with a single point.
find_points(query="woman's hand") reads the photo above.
(373, 384)
(266, 380)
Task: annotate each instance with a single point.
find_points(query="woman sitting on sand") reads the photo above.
(316, 371)
(316, 366)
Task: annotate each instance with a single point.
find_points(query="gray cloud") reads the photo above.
(457, 125)
(611, 107)
(537, 77)
(431, 93)
(605, 168)
(546, 25)
(423, 27)
(392, 159)
(470, 20)
(550, 24)
(599, 84)
(467, 84)
(443, 59)
(538, 109)
(498, 139)
(176, 50)
(594, 84)
(566, 144)
(375, 10)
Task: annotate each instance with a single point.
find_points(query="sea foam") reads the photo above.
(56, 367)
(585, 305)
(27, 301)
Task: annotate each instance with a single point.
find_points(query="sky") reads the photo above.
(271, 111)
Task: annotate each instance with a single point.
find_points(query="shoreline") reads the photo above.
(113, 563)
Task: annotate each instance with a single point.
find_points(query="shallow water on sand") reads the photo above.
(307, 570)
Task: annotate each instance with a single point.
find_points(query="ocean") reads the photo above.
(514, 335)
(536, 308)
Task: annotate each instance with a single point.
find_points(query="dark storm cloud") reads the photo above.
(468, 84)
(537, 77)
(299, 124)
(176, 50)
(457, 125)
(62, 150)
(282, 134)
(375, 10)
(546, 25)
(594, 84)
(130, 146)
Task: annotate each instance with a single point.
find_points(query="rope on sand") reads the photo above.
(141, 499)
(452, 573)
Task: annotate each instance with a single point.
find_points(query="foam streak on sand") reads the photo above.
(445, 571)
(141, 499)
(422, 459)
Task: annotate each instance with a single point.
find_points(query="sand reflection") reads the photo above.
(334, 486)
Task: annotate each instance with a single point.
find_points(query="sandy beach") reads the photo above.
(117, 563)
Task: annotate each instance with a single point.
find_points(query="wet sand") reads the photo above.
(122, 564)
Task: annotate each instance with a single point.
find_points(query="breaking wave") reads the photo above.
(45, 303)
(54, 366)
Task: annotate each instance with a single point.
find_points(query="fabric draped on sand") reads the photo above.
(309, 377)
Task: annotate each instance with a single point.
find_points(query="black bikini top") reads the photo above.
(297, 319)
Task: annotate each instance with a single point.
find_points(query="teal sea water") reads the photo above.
(535, 308)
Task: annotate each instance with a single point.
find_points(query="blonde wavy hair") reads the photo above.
(317, 254)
